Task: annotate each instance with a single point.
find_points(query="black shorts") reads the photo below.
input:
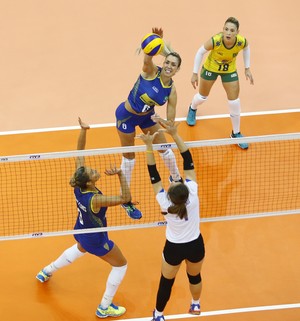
(175, 253)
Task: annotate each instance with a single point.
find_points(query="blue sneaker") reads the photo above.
(132, 211)
(239, 135)
(42, 276)
(191, 117)
(195, 309)
(158, 318)
(111, 311)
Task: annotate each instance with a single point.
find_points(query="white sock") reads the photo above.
(127, 168)
(158, 313)
(170, 161)
(195, 301)
(115, 278)
(235, 114)
(198, 100)
(67, 257)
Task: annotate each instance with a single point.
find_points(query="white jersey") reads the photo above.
(182, 230)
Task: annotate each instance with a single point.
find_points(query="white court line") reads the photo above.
(54, 129)
(221, 312)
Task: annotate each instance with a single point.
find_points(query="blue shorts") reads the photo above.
(126, 121)
(95, 243)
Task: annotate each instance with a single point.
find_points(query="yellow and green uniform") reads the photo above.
(222, 59)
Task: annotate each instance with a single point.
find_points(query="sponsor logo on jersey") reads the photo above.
(155, 89)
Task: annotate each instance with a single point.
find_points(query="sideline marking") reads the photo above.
(220, 312)
(54, 129)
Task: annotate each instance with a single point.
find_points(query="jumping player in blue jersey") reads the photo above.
(154, 87)
(92, 206)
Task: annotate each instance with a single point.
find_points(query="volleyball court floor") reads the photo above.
(251, 270)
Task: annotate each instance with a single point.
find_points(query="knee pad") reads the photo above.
(73, 253)
(168, 154)
(194, 279)
(170, 161)
(127, 166)
(198, 100)
(164, 292)
(234, 107)
(117, 274)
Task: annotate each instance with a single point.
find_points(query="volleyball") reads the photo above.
(152, 44)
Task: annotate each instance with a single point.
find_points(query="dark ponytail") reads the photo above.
(178, 195)
(80, 178)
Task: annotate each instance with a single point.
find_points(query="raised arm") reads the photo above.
(188, 166)
(151, 164)
(100, 200)
(149, 68)
(171, 105)
(81, 142)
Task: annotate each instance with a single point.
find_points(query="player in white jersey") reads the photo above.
(181, 210)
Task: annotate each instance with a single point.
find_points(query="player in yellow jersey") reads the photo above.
(223, 49)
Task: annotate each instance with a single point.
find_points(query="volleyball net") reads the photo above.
(37, 200)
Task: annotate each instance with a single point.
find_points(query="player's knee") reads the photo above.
(234, 107)
(165, 286)
(194, 279)
(73, 253)
(198, 100)
(117, 274)
(168, 154)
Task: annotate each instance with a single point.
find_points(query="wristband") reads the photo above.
(154, 174)
(187, 160)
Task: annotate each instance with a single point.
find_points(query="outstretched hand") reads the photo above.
(156, 118)
(82, 124)
(112, 171)
(147, 138)
(168, 126)
(158, 31)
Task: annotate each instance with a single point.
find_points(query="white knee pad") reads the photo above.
(66, 258)
(73, 253)
(117, 274)
(167, 154)
(127, 168)
(170, 161)
(198, 100)
(234, 107)
(235, 114)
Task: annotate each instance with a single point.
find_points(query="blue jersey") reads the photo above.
(97, 242)
(86, 217)
(147, 93)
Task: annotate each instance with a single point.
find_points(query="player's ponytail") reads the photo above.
(80, 178)
(178, 195)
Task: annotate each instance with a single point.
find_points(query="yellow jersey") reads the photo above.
(222, 59)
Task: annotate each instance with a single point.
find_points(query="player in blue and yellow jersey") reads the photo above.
(223, 49)
(154, 87)
(92, 206)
